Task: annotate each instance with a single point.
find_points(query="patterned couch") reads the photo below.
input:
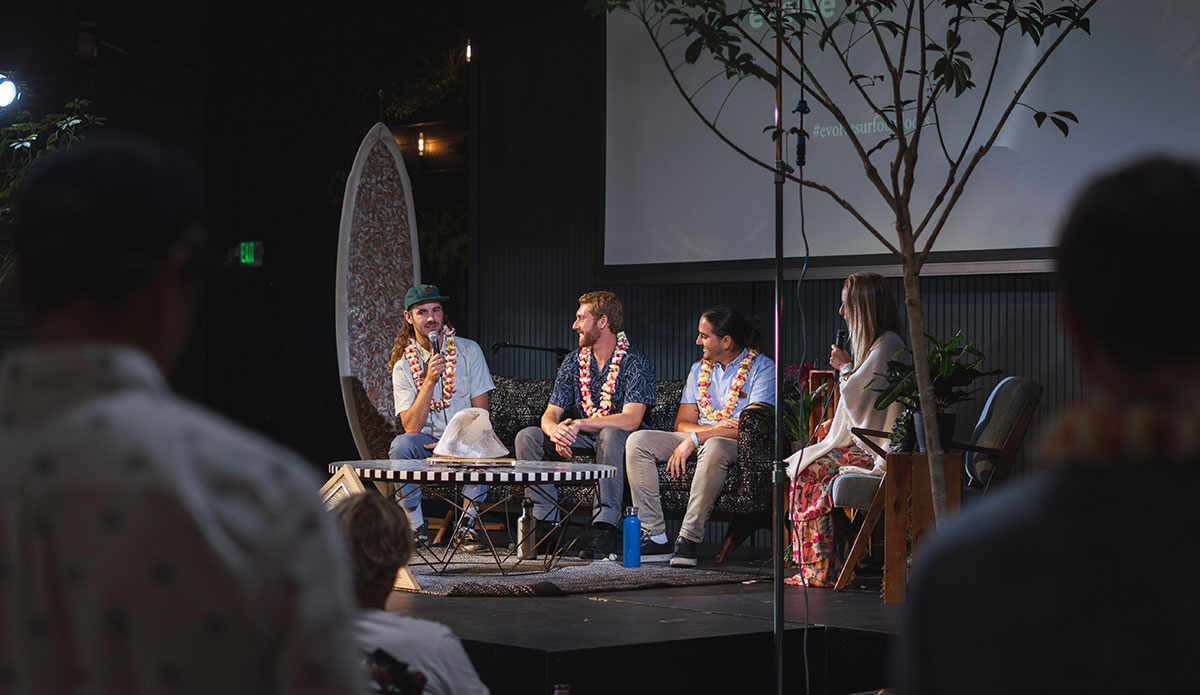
(746, 497)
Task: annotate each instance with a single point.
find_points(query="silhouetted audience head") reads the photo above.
(106, 240)
(380, 541)
(1124, 295)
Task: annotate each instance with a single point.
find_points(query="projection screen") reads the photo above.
(676, 193)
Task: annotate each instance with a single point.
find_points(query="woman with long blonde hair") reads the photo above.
(821, 539)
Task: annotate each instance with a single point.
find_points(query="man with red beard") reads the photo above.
(430, 384)
(601, 394)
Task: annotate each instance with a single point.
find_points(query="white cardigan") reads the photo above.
(856, 408)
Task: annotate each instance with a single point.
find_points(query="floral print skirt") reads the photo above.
(821, 535)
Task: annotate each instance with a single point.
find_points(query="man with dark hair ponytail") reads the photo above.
(732, 374)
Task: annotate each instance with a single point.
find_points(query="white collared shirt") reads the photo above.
(471, 379)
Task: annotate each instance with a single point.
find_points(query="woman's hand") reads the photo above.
(823, 429)
(838, 357)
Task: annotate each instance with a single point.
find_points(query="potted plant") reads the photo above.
(953, 364)
(797, 404)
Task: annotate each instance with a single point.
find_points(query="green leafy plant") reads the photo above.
(25, 141)
(901, 437)
(797, 404)
(953, 364)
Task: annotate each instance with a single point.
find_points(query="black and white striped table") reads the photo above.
(529, 475)
(519, 473)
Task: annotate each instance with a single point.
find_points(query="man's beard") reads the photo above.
(424, 332)
(589, 339)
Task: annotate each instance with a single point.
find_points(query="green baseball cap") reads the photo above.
(422, 293)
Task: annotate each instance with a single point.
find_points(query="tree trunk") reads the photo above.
(920, 349)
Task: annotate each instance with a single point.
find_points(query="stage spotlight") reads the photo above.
(8, 91)
(421, 145)
(468, 50)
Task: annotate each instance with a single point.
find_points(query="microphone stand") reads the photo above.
(561, 353)
(779, 479)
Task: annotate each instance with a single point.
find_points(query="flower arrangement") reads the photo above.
(610, 382)
(450, 351)
(704, 401)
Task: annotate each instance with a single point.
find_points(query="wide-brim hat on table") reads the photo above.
(469, 435)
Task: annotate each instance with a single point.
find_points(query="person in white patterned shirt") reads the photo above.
(146, 545)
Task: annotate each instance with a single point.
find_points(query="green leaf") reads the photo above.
(896, 389)
(693, 51)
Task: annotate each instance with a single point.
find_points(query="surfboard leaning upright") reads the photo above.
(378, 260)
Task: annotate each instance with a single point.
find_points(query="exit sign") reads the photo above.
(249, 253)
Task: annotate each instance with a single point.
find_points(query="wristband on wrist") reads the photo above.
(695, 439)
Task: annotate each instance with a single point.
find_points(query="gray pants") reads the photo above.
(609, 445)
(649, 449)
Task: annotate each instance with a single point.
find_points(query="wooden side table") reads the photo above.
(824, 405)
(908, 474)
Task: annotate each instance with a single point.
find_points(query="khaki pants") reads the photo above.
(646, 450)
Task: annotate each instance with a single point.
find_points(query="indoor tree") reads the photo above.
(902, 59)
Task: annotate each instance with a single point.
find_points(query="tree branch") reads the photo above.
(957, 161)
(811, 184)
(999, 126)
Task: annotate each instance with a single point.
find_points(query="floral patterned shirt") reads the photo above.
(635, 383)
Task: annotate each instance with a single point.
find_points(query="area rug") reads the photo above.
(475, 574)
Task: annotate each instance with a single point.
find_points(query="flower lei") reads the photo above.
(610, 384)
(735, 389)
(450, 351)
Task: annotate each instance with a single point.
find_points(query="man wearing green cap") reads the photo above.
(435, 374)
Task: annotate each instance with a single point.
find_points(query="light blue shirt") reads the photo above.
(759, 386)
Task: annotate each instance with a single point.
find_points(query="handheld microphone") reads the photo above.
(840, 339)
(435, 339)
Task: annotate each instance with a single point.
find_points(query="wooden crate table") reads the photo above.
(908, 474)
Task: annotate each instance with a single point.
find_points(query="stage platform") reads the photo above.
(698, 639)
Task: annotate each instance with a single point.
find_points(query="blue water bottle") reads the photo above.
(632, 529)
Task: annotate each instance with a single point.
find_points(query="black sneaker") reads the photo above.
(655, 552)
(606, 542)
(685, 553)
(421, 534)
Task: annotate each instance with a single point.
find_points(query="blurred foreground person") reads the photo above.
(381, 542)
(1078, 579)
(146, 545)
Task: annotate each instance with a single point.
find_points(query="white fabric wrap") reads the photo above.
(856, 408)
